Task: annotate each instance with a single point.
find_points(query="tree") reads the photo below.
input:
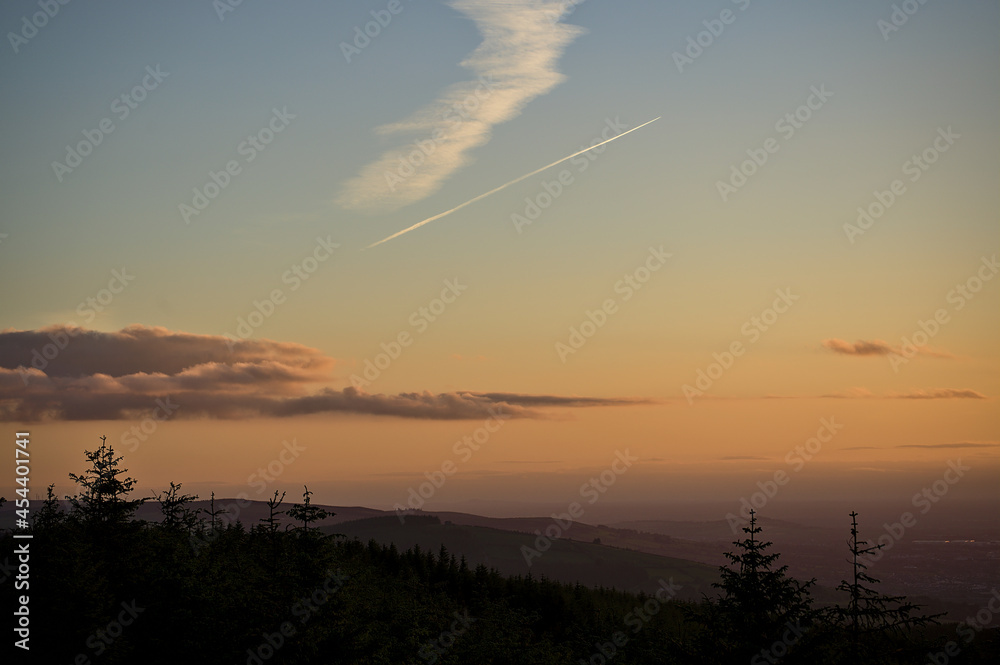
(870, 614)
(761, 609)
(305, 512)
(103, 498)
(272, 517)
(173, 506)
(51, 513)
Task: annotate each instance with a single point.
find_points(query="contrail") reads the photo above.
(506, 185)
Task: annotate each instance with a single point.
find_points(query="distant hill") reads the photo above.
(566, 560)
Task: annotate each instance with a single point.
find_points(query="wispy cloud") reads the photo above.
(961, 444)
(933, 446)
(933, 393)
(877, 347)
(515, 63)
(939, 393)
(862, 347)
(120, 375)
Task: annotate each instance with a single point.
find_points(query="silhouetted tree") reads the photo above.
(305, 512)
(103, 498)
(272, 521)
(173, 506)
(870, 614)
(51, 514)
(761, 609)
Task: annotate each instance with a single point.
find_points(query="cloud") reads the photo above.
(515, 63)
(933, 393)
(64, 373)
(68, 351)
(939, 393)
(933, 446)
(961, 444)
(850, 393)
(878, 347)
(860, 348)
(732, 458)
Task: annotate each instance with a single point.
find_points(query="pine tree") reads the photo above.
(173, 506)
(103, 498)
(760, 605)
(305, 512)
(870, 614)
(272, 515)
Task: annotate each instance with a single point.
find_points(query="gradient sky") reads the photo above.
(560, 79)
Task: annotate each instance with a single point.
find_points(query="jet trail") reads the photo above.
(506, 185)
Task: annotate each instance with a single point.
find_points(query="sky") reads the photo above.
(780, 259)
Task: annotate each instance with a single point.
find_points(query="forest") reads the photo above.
(191, 587)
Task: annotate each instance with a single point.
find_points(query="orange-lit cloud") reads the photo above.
(876, 347)
(933, 446)
(62, 373)
(939, 393)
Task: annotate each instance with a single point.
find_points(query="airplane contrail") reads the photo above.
(506, 185)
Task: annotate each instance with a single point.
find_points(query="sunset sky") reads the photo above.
(189, 190)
